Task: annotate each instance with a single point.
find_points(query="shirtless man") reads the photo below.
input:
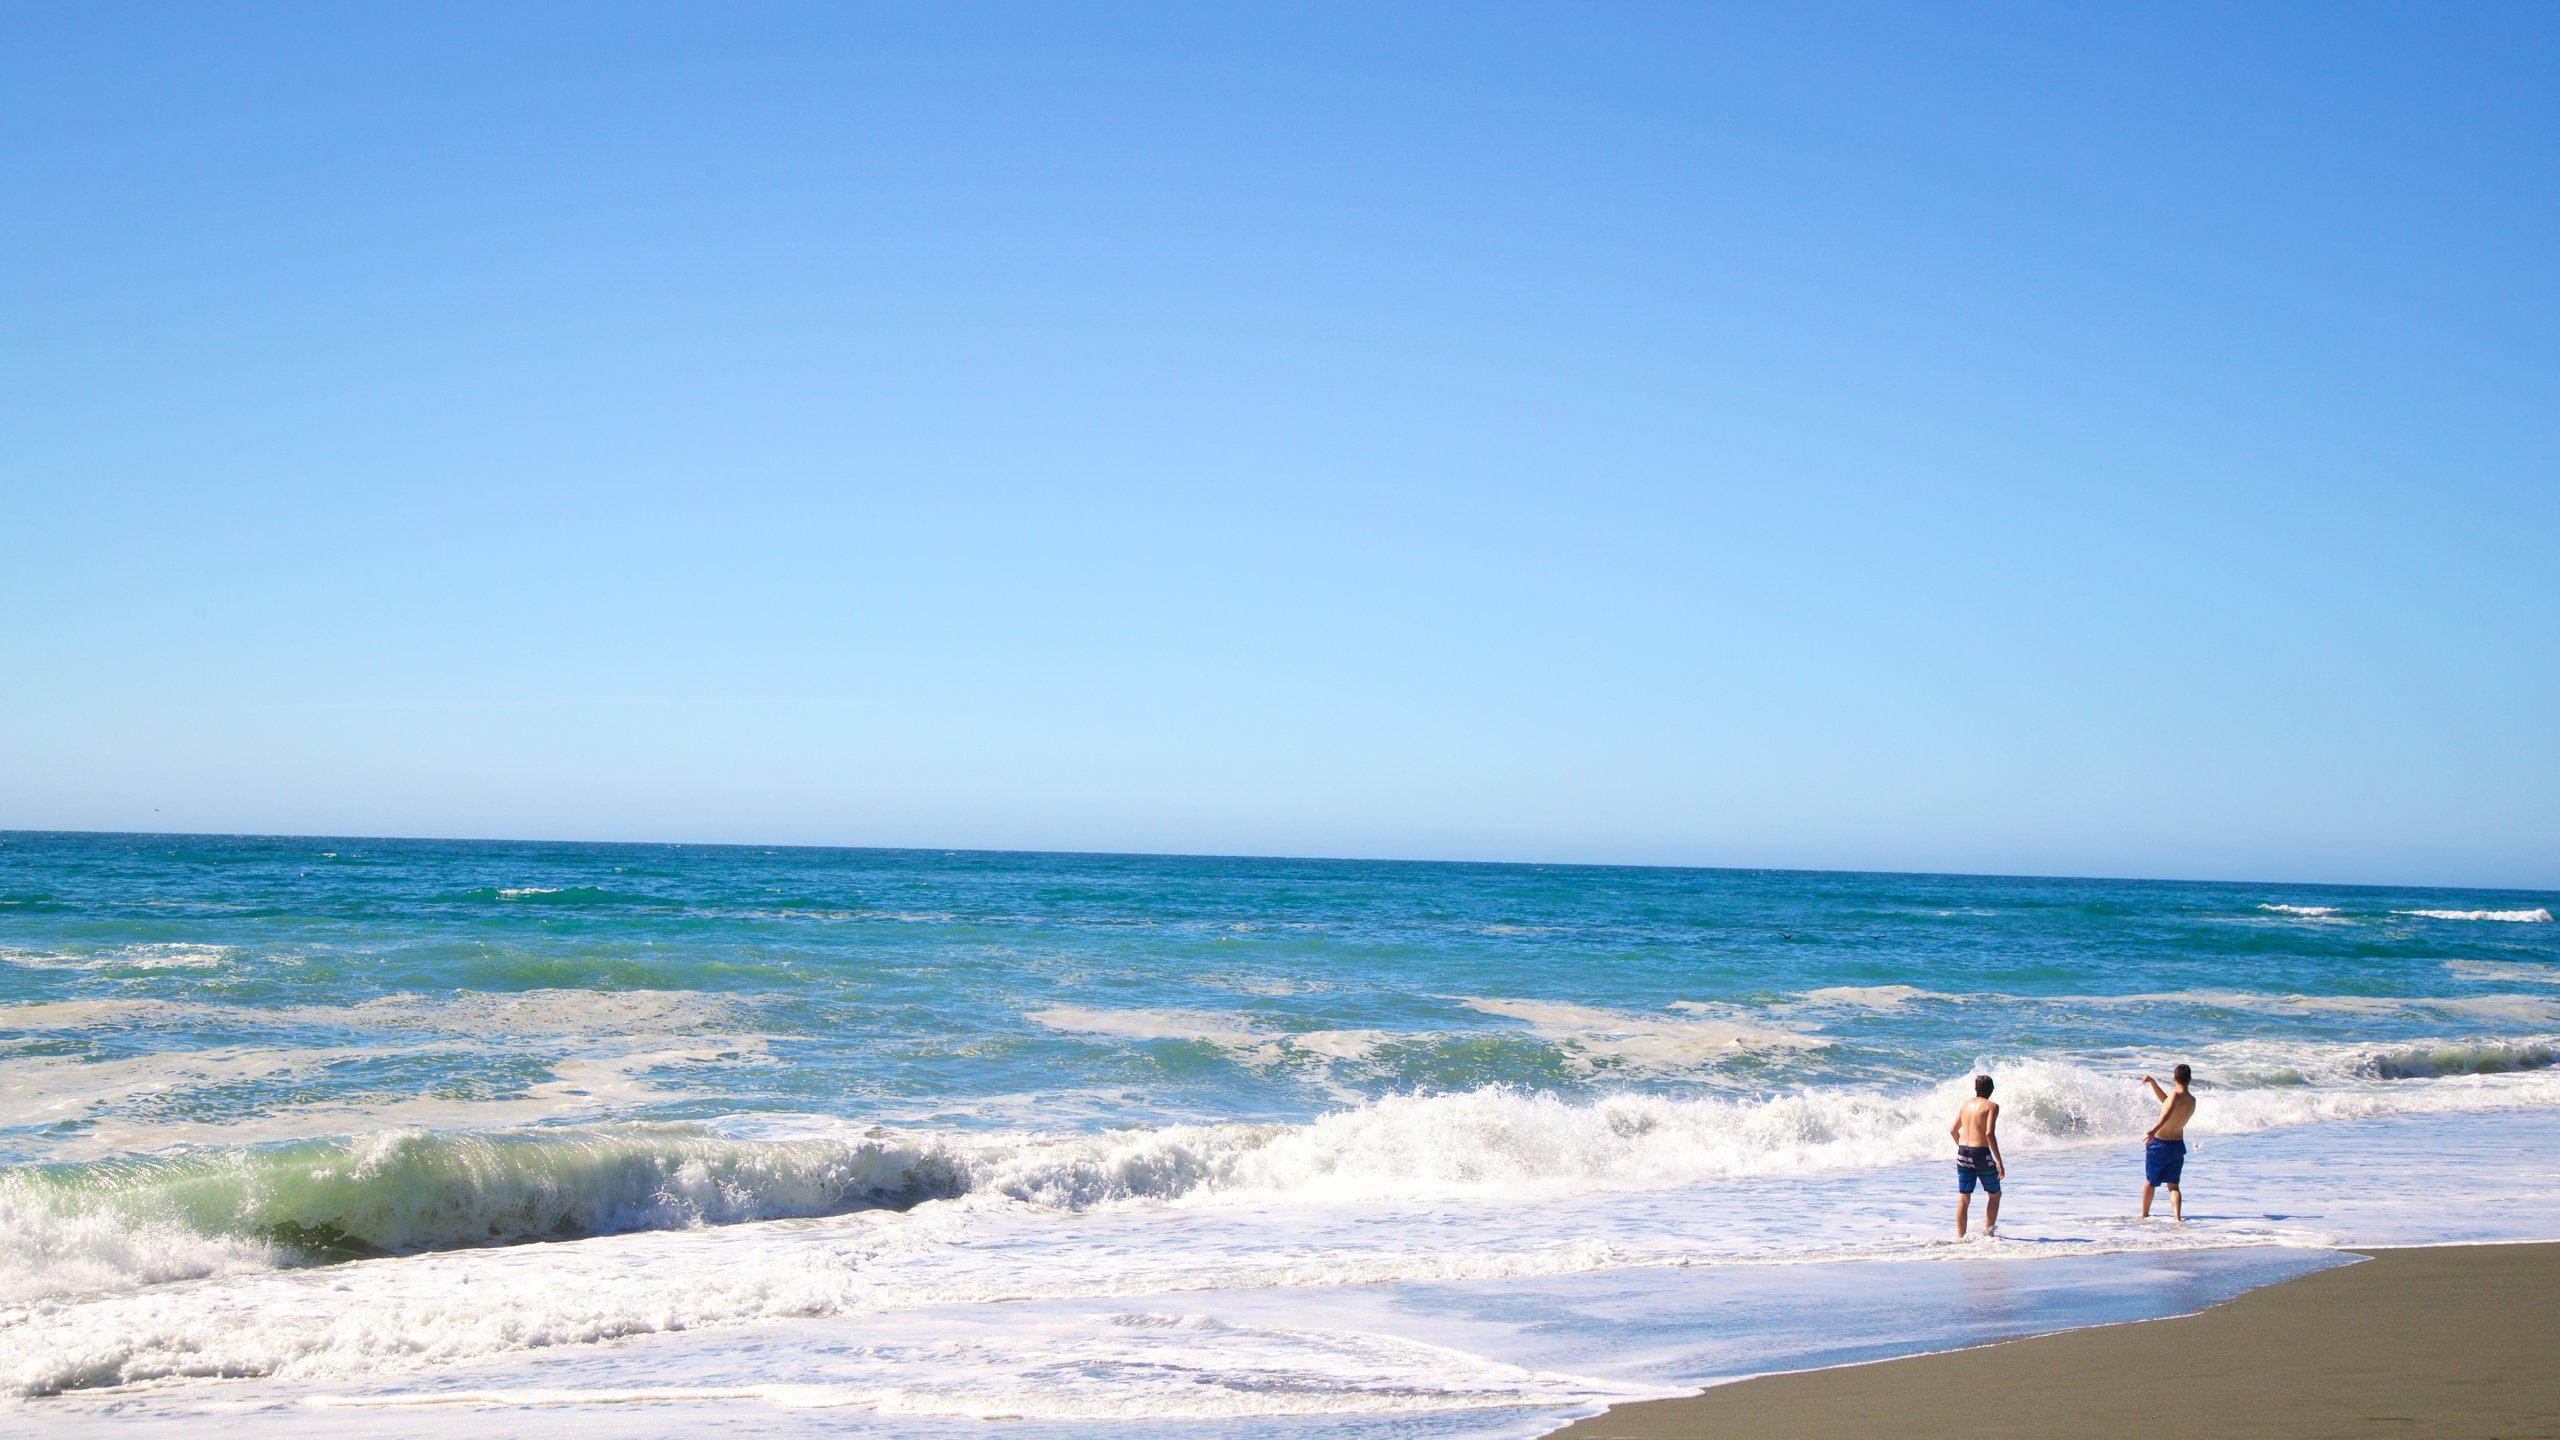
(1977, 1136)
(2164, 1150)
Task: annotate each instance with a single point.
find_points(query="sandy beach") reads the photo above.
(2445, 1342)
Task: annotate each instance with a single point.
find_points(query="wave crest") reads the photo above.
(80, 1227)
(2465, 1057)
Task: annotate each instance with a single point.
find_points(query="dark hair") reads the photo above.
(2182, 1074)
(1981, 1084)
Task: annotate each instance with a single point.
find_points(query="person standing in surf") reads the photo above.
(1977, 1136)
(2164, 1147)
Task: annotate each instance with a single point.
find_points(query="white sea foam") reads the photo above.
(2524, 917)
(50, 1089)
(513, 1015)
(2312, 911)
(1340, 1044)
(55, 1250)
(1274, 986)
(1873, 997)
(1252, 1208)
(123, 957)
(412, 1190)
(2512, 1009)
(102, 1096)
(55, 1015)
(2501, 970)
(1158, 1024)
(372, 1320)
(541, 1013)
(1141, 1365)
(1243, 1041)
(1592, 1039)
(522, 891)
(599, 1051)
(1589, 1039)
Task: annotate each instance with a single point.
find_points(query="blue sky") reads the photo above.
(1981, 438)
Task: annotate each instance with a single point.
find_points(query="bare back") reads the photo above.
(2175, 1112)
(1975, 1120)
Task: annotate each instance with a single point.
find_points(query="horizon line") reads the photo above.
(955, 850)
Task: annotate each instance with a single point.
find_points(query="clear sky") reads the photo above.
(2038, 439)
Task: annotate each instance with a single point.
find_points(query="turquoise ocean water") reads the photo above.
(1065, 1143)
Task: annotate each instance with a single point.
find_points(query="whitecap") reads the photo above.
(1872, 997)
(173, 956)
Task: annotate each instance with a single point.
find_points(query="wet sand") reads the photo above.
(2445, 1342)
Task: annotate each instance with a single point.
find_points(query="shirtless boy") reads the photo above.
(1977, 1136)
(2164, 1150)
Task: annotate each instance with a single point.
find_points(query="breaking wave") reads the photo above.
(2522, 917)
(2472, 1057)
(93, 1225)
(115, 1224)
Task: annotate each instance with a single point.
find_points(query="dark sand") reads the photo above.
(2451, 1342)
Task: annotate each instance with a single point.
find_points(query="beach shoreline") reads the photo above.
(2449, 1341)
(673, 1141)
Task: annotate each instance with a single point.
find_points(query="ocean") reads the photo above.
(402, 1137)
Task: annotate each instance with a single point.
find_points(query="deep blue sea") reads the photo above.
(654, 1139)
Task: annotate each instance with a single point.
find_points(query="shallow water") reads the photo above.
(734, 1136)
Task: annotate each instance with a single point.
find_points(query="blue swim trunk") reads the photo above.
(2163, 1161)
(1974, 1164)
